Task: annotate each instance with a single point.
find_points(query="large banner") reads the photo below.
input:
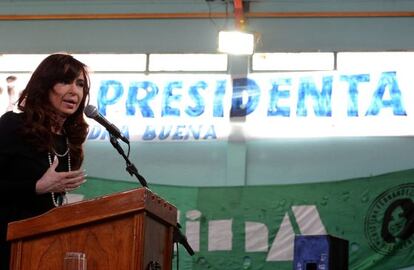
(253, 227)
(206, 107)
(181, 107)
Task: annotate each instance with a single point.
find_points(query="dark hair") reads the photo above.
(38, 112)
(407, 206)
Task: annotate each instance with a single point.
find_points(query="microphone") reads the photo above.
(92, 112)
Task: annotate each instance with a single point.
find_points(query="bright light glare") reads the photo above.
(375, 60)
(234, 42)
(113, 62)
(187, 62)
(20, 62)
(293, 61)
(96, 62)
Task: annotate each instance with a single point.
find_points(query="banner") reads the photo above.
(253, 227)
(180, 107)
(208, 107)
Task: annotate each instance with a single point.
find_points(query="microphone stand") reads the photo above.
(178, 236)
(130, 167)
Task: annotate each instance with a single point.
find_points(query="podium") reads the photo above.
(131, 230)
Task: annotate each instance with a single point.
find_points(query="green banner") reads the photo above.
(253, 227)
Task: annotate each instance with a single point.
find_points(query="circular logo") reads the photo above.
(389, 223)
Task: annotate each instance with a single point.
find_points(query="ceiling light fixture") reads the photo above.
(237, 41)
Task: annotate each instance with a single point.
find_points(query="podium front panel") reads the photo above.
(134, 233)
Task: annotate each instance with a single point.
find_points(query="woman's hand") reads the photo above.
(53, 181)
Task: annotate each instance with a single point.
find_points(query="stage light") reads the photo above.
(236, 42)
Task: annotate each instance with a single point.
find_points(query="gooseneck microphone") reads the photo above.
(92, 112)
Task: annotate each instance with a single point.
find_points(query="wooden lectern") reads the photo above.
(123, 231)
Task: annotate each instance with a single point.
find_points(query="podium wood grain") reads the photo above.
(126, 230)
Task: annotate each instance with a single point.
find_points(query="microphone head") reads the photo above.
(91, 111)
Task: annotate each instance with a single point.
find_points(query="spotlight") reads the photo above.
(236, 42)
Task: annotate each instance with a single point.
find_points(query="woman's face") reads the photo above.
(66, 97)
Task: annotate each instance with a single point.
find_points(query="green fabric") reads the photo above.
(351, 209)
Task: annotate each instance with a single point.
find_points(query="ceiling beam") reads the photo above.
(201, 15)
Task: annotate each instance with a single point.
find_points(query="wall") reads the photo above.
(183, 35)
(235, 162)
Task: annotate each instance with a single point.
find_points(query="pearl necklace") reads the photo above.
(49, 155)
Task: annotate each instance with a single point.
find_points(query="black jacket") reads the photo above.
(21, 165)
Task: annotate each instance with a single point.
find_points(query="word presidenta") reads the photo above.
(189, 106)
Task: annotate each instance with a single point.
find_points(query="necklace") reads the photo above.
(64, 199)
(66, 152)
